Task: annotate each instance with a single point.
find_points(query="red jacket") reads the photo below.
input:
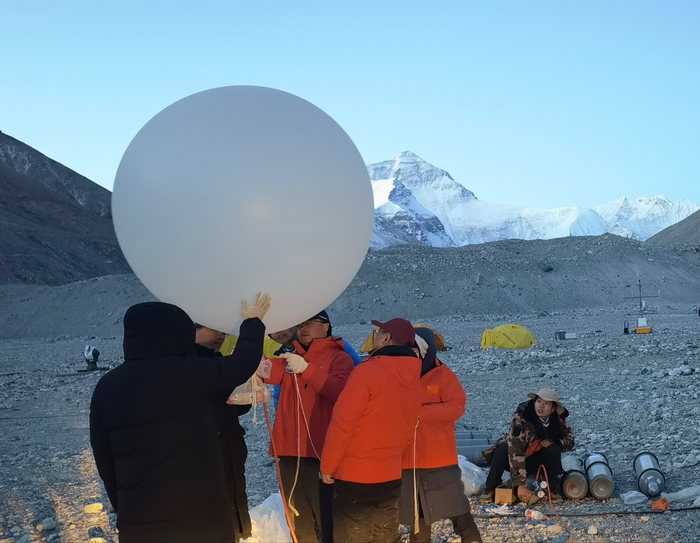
(374, 418)
(444, 402)
(319, 387)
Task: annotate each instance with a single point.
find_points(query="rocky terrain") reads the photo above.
(685, 233)
(55, 224)
(502, 277)
(626, 394)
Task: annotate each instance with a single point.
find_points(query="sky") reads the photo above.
(546, 103)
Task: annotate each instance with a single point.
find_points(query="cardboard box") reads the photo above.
(504, 495)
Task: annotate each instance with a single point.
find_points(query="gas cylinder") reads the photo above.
(650, 479)
(573, 484)
(599, 475)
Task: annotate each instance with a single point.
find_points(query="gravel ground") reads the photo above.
(625, 393)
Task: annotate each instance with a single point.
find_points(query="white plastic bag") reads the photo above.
(253, 391)
(633, 497)
(473, 477)
(684, 495)
(268, 522)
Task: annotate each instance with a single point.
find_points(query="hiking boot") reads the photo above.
(556, 497)
(488, 496)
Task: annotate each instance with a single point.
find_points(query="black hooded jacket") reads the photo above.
(234, 453)
(153, 427)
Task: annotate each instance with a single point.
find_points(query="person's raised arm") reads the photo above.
(221, 375)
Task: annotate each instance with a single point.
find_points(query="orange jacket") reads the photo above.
(319, 387)
(443, 403)
(374, 418)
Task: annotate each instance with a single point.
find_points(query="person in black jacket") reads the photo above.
(231, 436)
(153, 426)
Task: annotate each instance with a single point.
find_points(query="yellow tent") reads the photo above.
(369, 342)
(508, 336)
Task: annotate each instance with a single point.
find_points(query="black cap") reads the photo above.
(321, 316)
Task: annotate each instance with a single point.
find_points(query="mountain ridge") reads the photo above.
(414, 199)
(55, 225)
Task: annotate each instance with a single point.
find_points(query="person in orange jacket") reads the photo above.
(432, 488)
(373, 421)
(311, 380)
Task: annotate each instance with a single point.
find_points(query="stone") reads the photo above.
(23, 539)
(93, 508)
(593, 530)
(644, 519)
(98, 540)
(554, 529)
(46, 525)
(7, 540)
(72, 527)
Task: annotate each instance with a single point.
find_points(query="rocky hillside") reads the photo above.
(683, 233)
(55, 225)
(506, 278)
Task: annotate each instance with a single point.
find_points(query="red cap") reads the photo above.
(401, 331)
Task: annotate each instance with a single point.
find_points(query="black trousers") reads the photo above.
(550, 457)
(464, 526)
(236, 486)
(366, 513)
(310, 497)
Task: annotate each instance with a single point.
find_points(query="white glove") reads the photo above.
(295, 362)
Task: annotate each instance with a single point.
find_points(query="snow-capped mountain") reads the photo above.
(643, 217)
(416, 202)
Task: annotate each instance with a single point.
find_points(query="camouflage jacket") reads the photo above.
(525, 433)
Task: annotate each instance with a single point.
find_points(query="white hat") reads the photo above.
(548, 395)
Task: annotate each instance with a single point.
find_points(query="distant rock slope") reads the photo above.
(506, 278)
(55, 225)
(685, 232)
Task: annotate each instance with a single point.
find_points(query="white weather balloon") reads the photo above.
(243, 189)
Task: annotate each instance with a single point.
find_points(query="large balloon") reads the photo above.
(237, 190)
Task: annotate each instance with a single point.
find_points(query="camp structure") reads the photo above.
(369, 342)
(508, 336)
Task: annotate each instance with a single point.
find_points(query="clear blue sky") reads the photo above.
(551, 103)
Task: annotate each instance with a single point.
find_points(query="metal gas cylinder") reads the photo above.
(650, 479)
(599, 475)
(574, 484)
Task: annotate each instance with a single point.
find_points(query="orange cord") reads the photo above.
(549, 495)
(279, 474)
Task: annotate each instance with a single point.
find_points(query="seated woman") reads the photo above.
(538, 435)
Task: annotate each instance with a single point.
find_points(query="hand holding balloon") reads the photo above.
(258, 308)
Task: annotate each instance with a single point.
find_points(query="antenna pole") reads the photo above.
(641, 307)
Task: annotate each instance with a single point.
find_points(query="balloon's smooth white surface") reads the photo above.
(237, 190)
